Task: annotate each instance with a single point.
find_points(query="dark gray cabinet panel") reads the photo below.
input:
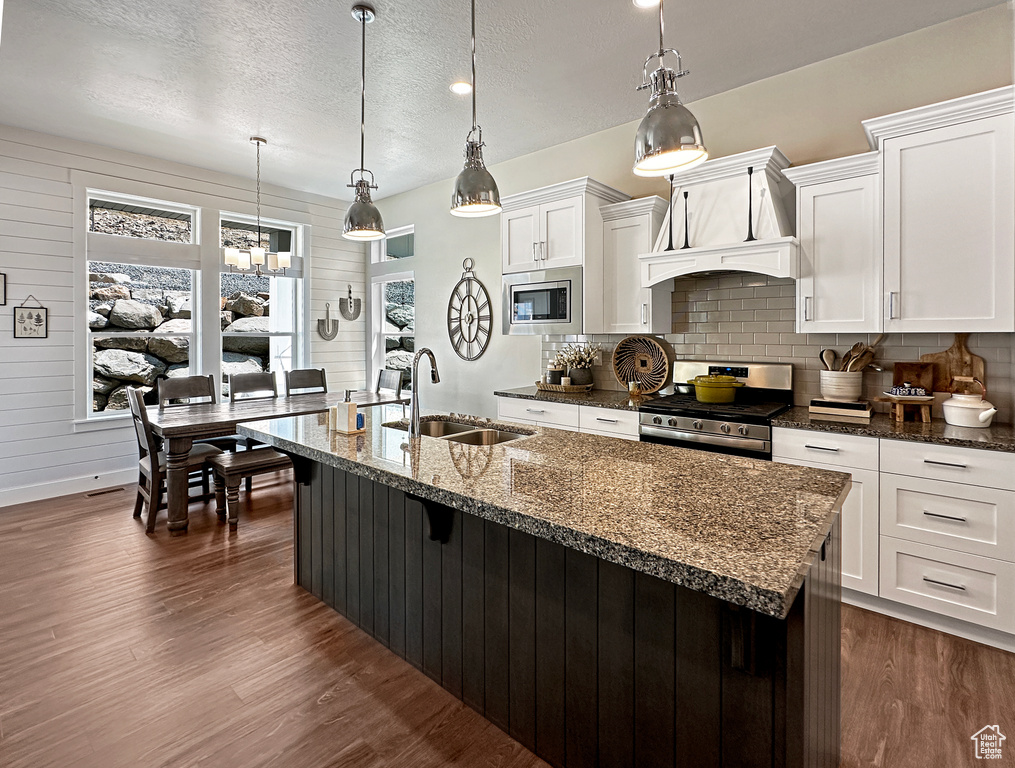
(585, 662)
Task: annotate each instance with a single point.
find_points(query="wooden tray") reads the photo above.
(584, 389)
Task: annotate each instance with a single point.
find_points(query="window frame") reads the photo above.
(203, 255)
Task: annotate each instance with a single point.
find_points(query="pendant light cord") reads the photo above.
(662, 46)
(363, 92)
(474, 123)
(258, 143)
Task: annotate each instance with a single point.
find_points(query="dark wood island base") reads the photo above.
(585, 662)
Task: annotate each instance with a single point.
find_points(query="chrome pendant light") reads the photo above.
(476, 192)
(669, 137)
(363, 221)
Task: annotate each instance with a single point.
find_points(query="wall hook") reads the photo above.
(327, 328)
(350, 308)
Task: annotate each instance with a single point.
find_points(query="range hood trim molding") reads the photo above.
(776, 257)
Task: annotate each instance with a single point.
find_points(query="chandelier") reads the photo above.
(256, 257)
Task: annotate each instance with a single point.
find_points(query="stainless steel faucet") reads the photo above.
(435, 377)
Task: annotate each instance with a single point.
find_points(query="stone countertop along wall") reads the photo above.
(598, 398)
(738, 529)
(750, 317)
(997, 437)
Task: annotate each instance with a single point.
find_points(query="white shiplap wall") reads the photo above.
(42, 452)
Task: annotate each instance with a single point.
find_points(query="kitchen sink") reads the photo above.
(484, 437)
(443, 428)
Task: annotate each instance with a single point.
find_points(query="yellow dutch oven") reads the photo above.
(715, 389)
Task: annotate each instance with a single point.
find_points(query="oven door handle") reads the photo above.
(678, 436)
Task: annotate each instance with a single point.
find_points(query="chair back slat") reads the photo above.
(145, 437)
(307, 380)
(186, 390)
(389, 381)
(252, 386)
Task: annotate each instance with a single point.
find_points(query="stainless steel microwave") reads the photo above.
(545, 302)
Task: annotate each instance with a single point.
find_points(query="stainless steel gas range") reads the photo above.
(742, 428)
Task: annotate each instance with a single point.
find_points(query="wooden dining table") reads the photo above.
(180, 426)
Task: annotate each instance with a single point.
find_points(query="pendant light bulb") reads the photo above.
(363, 221)
(669, 138)
(475, 194)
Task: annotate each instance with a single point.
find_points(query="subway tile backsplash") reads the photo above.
(752, 317)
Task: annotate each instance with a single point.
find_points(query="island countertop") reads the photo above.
(741, 530)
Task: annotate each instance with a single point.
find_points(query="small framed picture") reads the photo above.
(31, 323)
(3, 289)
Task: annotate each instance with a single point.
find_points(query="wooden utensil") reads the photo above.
(828, 358)
(852, 352)
(861, 361)
(957, 360)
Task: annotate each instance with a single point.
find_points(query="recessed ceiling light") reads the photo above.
(646, 3)
(462, 88)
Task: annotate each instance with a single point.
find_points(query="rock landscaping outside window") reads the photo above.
(136, 221)
(398, 328)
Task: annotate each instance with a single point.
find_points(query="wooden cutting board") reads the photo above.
(957, 360)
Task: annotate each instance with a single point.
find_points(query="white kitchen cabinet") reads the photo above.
(630, 228)
(949, 215)
(608, 422)
(860, 529)
(555, 226)
(839, 227)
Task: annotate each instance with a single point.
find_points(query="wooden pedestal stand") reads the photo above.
(920, 410)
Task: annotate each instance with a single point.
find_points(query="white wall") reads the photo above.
(812, 114)
(42, 452)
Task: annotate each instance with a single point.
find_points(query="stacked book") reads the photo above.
(857, 412)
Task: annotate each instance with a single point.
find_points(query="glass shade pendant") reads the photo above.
(255, 256)
(669, 137)
(475, 192)
(363, 221)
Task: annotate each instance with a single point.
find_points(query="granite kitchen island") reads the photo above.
(604, 602)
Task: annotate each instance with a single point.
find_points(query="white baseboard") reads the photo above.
(11, 496)
(946, 624)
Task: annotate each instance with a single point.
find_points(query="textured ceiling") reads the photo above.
(190, 80)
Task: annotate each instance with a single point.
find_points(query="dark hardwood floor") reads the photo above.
(120, 649)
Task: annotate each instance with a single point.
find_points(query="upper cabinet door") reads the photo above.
(949, 228)
(562, 235)
(519, 232)
(839, 288)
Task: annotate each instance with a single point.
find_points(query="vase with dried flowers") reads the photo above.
(579, 359)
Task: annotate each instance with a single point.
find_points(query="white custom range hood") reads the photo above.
(717, 223)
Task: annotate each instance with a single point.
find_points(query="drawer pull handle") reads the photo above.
(944, 517)
(822, 448)
(534, 410)
(945, 464)
(944, 584)
(607, 421)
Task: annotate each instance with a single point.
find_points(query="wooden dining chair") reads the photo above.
(305, 381)
(252, 386)
(151, 482)
(389, 381)
(185, 391)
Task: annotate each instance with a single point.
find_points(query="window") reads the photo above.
(153, 308)
(139, 326)
(394, 343)
(400, 246)
(261, 314)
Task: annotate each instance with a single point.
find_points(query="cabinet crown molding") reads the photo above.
(770, 158)
(963, 109)
(866, 164)
(562, 191)
(638, 206)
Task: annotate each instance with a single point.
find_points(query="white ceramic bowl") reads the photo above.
(843, 386)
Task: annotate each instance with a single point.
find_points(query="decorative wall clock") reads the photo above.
(470, 316)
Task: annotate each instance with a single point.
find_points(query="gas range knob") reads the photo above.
(697, 424)
(672, 421)
(743, 429)
(724, 428)
(657, 419)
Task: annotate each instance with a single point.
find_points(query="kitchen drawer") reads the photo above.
(825, 447)
(992, 469)
(541, 411)
(623, 423)
(977, 589)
